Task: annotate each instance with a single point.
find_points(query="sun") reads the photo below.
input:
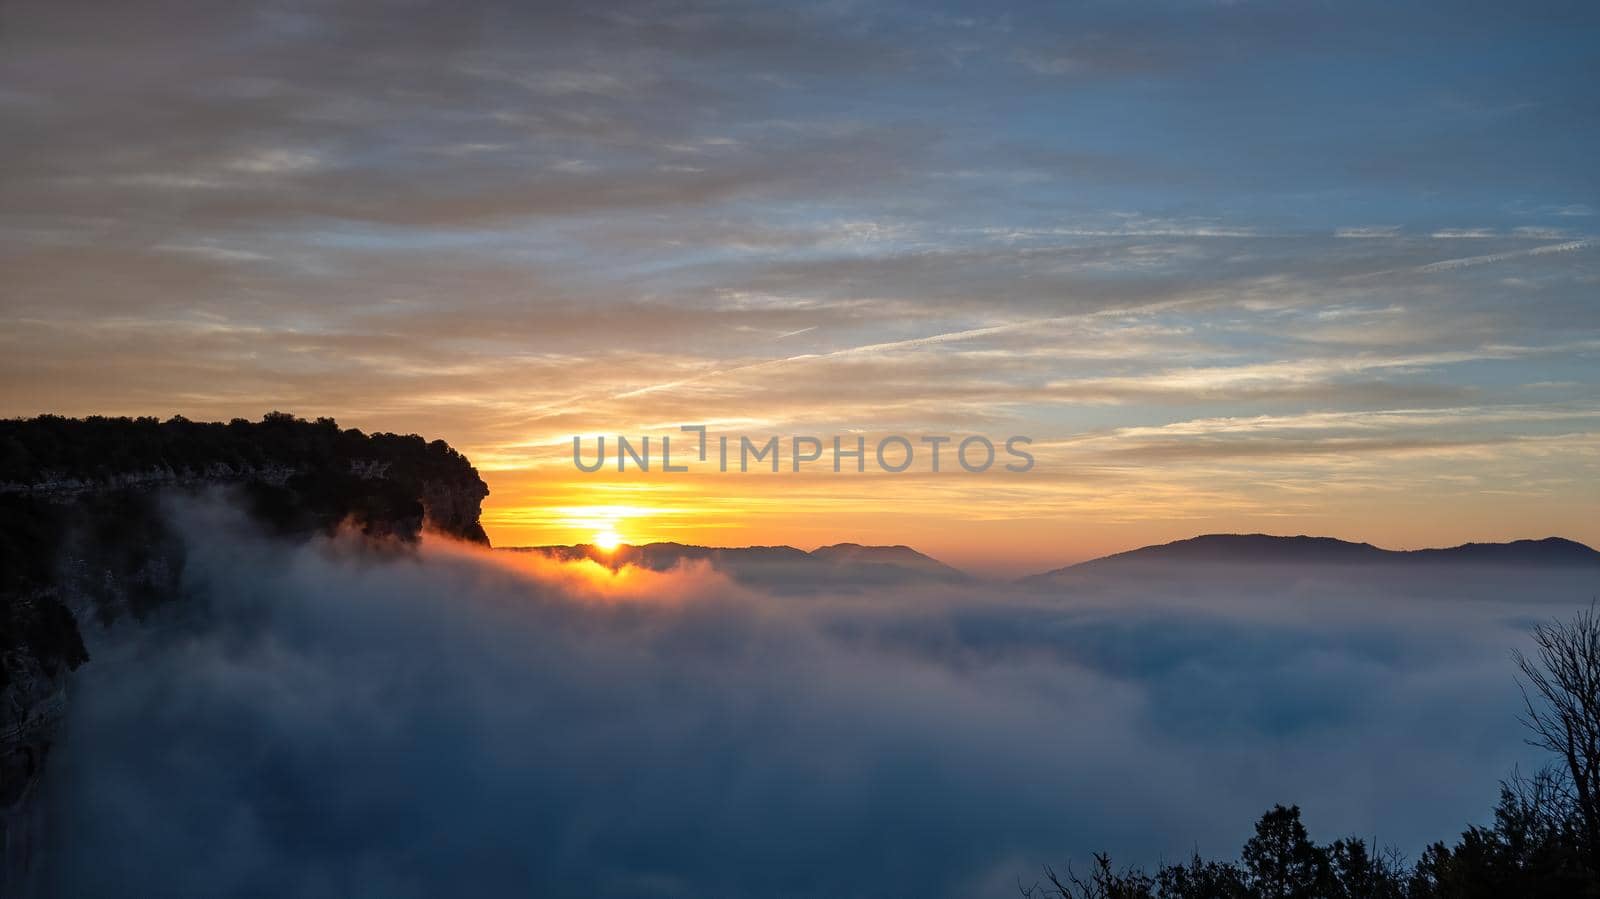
(608, 540)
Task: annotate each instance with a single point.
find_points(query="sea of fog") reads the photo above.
(337, 719)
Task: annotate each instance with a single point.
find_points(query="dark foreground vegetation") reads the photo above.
(317, 461)
(85, 537)
(1544, 842)
(81, 525)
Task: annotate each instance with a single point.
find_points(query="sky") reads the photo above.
(1284, 267)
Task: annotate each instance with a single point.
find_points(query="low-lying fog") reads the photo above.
(342, 721)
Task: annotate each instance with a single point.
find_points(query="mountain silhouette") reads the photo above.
(781, 567)
(894, 556)
(1266, 549)
(787, 568)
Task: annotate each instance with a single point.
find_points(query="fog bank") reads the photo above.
(335, 719)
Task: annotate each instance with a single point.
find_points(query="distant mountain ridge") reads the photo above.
(825, 566)
(859, 564)
(1267, 549)
(858, 554)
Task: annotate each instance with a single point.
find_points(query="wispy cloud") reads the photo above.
(1466, 261)
(500, 224)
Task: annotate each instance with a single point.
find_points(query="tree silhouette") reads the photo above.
(1563, 713)
(1544, 842)
(1282, 861)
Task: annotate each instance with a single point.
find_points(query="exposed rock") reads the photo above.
(84, 543)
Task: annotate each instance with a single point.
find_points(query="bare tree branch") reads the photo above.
(1561, 709)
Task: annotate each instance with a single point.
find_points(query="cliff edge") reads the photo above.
(83, 540)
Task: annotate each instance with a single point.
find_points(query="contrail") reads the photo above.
(910, 343)
(1446, 265)
(1464, 262)
(973, 333)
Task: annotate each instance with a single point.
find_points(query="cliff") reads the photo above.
(83, 541)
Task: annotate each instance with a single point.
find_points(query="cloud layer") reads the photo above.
(330, 719)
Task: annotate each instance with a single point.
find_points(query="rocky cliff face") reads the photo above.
(84, 543)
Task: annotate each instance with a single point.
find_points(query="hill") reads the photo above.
(782, 568)
(1267, 550)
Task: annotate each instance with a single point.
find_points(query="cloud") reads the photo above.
(486, 221)
(1465, 262)
(319, 719)
(912, 343)
(1276, 377)
(1369, 231)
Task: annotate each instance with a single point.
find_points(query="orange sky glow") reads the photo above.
(1267, 308)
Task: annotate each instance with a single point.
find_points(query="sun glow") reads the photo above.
(607, 540)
